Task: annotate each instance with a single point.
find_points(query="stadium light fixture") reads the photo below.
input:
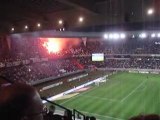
(153, 35)
(143, 35)
(12, 29)
(81, 19)
(105, 36)
(60, 22)
(116, 36)
(110, 36)
(158, 35)
(122, 36)
(38, 25)
(150, 11)
(25, 27)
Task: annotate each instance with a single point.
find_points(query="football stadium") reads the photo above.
(80, 60)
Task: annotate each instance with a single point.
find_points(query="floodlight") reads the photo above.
(81, 19)
(12, 29)
(110, 36)
(143, 35)
(122, 36)
(60, 22)
(38, 25)
(153, 35)
(26, 27)
(115, 36)
(158, 35)
(105, 36)
(150, 11)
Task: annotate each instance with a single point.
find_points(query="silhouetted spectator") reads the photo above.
(20, 102)
(146, 117)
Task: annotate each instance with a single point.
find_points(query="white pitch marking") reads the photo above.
(133, 91)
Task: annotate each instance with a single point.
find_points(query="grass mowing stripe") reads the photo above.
(90, 90)
(101, 98)
(152, 101)
(131, 108)
(133, 91)
(95, 108)
(141, 99)
(78, 95)
(134, 103)
(119, 92)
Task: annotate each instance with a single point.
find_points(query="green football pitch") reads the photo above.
(124, 95)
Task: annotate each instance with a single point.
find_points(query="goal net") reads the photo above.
(102, 81)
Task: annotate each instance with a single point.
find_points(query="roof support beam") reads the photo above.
(76, 5)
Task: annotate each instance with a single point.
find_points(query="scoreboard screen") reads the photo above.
(98, 57)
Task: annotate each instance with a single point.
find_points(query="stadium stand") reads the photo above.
(127, 54)
(37, 67)
(36, 71)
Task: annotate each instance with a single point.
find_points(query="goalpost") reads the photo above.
(103, 80)
(97, 83)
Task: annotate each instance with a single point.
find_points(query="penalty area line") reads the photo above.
(133, 91)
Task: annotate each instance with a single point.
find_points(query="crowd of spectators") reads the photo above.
(41, 70)
(81, 53)
(133, 62)
(129, 46)
(25, 50)
(54, 68)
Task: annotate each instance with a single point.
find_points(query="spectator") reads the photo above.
(20, 102)
(146, 117)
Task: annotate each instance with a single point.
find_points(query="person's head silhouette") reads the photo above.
(20, 102)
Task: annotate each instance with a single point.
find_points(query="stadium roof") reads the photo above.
(18, 13)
